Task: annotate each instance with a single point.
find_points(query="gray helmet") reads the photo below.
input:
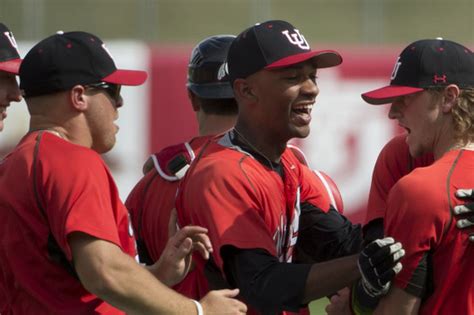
(207, 69)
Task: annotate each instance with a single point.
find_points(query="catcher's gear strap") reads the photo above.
(173, 162)
(55, 252)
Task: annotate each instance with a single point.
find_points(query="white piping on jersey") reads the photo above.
(289, 145)
(326, 185)
(180, 174)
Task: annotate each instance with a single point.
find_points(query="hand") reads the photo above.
(339, 303)
(378, 264)
(175, 261)
(465, 211)
(223, 302)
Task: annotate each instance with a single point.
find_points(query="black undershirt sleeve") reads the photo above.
(324, 236)
(265, 283)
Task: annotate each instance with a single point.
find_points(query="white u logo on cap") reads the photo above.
(11, 39)
(296, 39)
(395, 69)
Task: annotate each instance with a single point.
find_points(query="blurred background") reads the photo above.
(158, 35)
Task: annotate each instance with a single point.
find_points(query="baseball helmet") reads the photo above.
(207, 69)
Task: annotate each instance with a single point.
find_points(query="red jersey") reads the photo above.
(51, 188)
(150, 204)
(244, 203)
(420, 217)
(393, 162)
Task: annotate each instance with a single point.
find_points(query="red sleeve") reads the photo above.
(392, 164)
(412, 219)
(313, 190)
(76, 192)
(229, 206)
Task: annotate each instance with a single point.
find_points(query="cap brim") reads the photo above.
(388, 94)
(126, 77)
(212, 91)
(323, 58)
(12, 66)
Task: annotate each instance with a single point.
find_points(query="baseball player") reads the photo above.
(431, 93)
(67, 244)
(249, 190)
(9, 64)
(151, 201)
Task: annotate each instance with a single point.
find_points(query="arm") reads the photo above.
(398, 302)
(116, 278)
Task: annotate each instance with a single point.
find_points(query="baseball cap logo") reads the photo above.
(296, 39)
(222, 72)
(11, 39)
(395, 69)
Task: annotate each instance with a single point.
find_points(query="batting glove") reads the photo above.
(379, 263)
(465, 210)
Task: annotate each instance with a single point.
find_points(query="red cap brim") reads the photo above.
(126, 77)
(12, 66)
(388, 94)
(323, 58)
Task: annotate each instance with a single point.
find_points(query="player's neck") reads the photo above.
(215, 124)
(260, 142)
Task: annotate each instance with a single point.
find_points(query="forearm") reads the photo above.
(328, 277)
(116, 278)
(135, 290)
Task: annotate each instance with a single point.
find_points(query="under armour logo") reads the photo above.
(296, 39)
(223, 71)
(439, 78)
(395, 69)
(11, 39)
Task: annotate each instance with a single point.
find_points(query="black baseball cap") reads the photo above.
(64, 60)
(207, 69)
(423, 64)
(273, 44)
(9, 57)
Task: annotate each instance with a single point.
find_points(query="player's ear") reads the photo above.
(78, 98)
(243, 90)
(450, 96)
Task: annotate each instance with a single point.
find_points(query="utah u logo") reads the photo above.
(296, 39)
(223, 71)
(11, 39)
(395, 69)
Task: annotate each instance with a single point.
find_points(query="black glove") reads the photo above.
(465, 211)
(378, 264)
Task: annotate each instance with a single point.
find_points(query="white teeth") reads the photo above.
(304, 107)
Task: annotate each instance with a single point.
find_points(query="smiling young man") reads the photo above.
(9, 65)
(432, 96)
(249, 189)
(67, 244)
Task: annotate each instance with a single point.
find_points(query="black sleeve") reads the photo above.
(265, 283)
(373, 230)
(324, 236)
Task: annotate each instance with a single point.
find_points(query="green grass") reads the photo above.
(317, 307)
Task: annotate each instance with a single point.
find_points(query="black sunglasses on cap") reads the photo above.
(113, 90)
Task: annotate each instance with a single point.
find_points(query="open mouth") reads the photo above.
(302, 114)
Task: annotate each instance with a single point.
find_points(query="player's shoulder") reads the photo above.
(52, 147)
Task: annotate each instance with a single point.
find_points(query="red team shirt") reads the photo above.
(150, 204)
(393, 162)
(78, 194)
(244, 203)
(419, 215)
